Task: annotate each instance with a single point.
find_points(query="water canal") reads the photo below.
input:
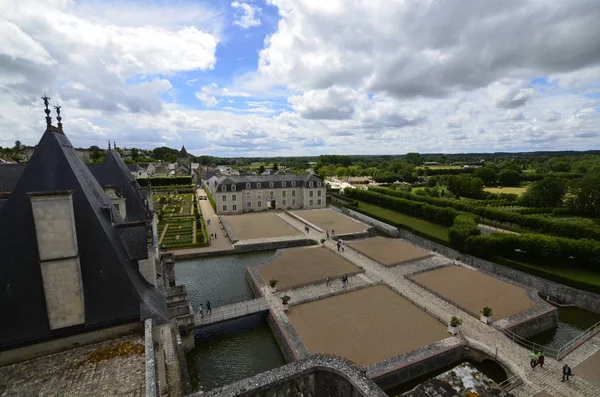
(490, 368)
(572, 321)
(234, 350)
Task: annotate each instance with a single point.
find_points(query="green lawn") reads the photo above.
(516, 190)
(440, 232)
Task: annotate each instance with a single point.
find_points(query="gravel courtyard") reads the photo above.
(263, 225)
(366, 326)
(473, 290)
(328, 219)
(302, 266)
(388, 251)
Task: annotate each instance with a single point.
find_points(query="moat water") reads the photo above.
(228, 352)
(572, 321)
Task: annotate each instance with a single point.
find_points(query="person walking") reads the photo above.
(327, 281)
(566, 372)
(541, 359)
(338, 245)
(332, 232)
(201, 311)
(208, 308)
(327, 234)
(343, 245)
(534, 358)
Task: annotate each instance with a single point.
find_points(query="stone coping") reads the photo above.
(335, 293)
(304, 221)
(228, 230)
(258, 245)
(288, 339)
(151, 378)
(270, 380)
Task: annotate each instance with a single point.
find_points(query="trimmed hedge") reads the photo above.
(345, 199)
(536, 223)
(536, 248)
(211, 199)
(464, 227)
(444, 216)
(166, 181)
(449, 171)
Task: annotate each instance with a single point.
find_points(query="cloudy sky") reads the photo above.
(305, 77)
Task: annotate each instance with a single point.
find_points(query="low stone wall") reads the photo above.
(151, 378)
(354, 236)
(319, 376)
(405, 371)
(304, 221)
(286, 336)
(273, 245)
(227, 227)
(255, 281)
(534, 325)
(583, 299)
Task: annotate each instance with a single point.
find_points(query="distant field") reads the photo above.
(514, 190)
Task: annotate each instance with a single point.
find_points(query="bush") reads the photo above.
(455, 321)
(464, 227)
(487, 311)
(272, 283)
(285, 299)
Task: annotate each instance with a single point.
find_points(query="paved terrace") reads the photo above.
(327, 219)
(479, 335)
(263, 225)
(115, 367)
(389, 251)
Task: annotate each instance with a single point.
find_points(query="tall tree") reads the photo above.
(586, 194)
(275, 167)
(547, 192)
(261, 169)
(17, 146)
(509, 177)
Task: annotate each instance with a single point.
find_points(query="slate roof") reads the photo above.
(114, 290)
(132, 167)
(9, 175)
(114, 172)
(182, 153)
(241, 181)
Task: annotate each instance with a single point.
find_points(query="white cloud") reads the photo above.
(249, 14)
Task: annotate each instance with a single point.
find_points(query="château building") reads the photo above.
(239, 194)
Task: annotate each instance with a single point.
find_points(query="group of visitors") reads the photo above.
(341, 245)
(327, 233)
(208, 309)
(538, 359)
(213, 236)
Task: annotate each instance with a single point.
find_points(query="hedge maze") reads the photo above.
(180, 224)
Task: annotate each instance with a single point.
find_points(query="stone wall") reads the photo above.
(318, 376)
(227, 228)
(534, 325)
(583, 299)
(151, 378)
(273, 245)
(286, 336)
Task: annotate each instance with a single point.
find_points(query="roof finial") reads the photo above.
(57, 107)
(109, 144)
(47, 111)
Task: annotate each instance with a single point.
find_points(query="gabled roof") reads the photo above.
(132, 167)
(114, 172)
(242, 180)
(114, 289)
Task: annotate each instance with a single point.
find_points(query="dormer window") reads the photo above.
(293, 183)
(233, 188)
(282, 184)
(318, 184)
(271, 184)
(310, 184)
(223, 188)
(258, 185)
(247, 186)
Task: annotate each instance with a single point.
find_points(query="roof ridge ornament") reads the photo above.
(57, 107)
(47, 111)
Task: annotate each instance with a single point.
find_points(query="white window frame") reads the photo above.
(234, 207)
(310, 203)
(283, 184)
(224, 198)
(224, 207)
(310, 184)
(293, 183)
(249, 204)
(259, 204)
(234, 197)
(271, 185)
(318, 184)
(311, 193)
(248, 186)
(283, 193)
(318, 193)
(293, 193)
(223, 188)
(258, 185)
(233, 188)
(319, 202)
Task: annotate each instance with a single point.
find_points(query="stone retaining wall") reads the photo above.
(534, 325)
(151, 378)
(319, 376)
(228, 230)
(305, 222)
(583, 299)
(273, 245)
(286, 336)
